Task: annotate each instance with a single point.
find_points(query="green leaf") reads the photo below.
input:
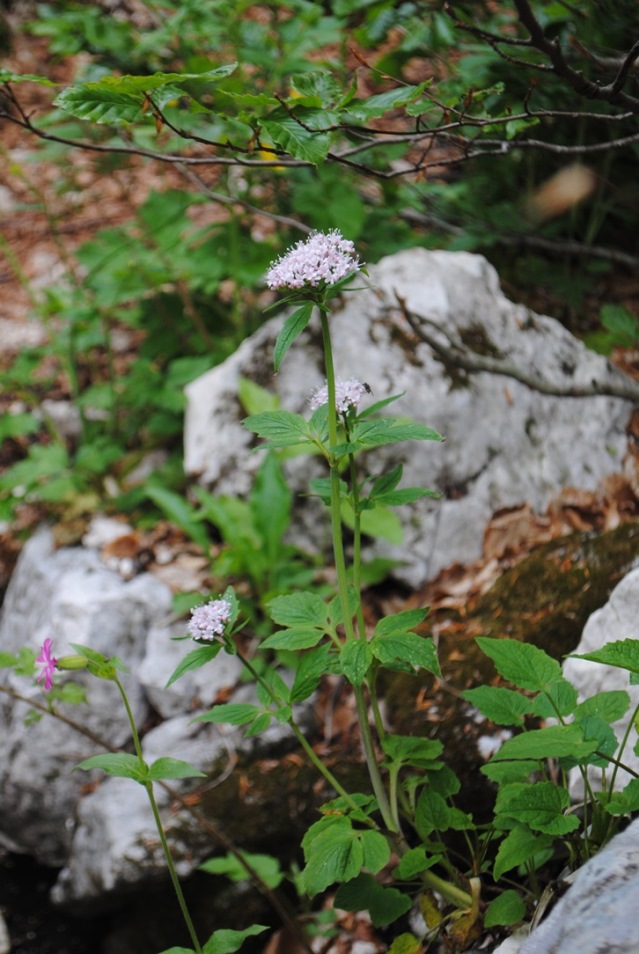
(119, 764)
(399, 622)
(266, 866)
(236, 713)
(413, 863)
(502, 706)
(363, 893)
(376, 850)
(8, 660)
(293, 327)
(180, 511)
(558, 698)
(227, 941)
(194, 660)
(355, 660)
(623, 653)
(398, 498)
(7, 76)
(434, 814)
(333, 854)
(406, 651)
(292, 132)
(412, 750)
(524, 665)
(178, 950)
(506, 909)
(552, 742)
(518, 846)
(293, 639)
(540, 806)
(312, 666)
(255, 398)
(503, 772)
(114, 100)
(299, 610)
(280, 428)
(388, 430)
(609, 706)
(172, 768)
(624, 802)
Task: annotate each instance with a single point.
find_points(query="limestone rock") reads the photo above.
(599, 911)
(614, 621)
(505, 444)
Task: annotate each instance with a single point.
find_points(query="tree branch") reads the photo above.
(455, 352)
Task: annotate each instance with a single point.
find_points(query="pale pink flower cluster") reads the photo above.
(347, 394)
(321, 259)
(208, 621)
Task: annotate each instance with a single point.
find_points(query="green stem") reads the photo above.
(303, 741)
(340, 566)
(158, 823)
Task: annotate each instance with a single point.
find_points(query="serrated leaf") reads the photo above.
(623, 654)
(518, 846)
(389, 430)
(540, 806)
(406, 651)
(364, 893)
(552, 742)
(504, 772)
(292, 132)
(624, 802)
(558, 698)
(299, 610)
(312, 666)
(506, 909)
(434, 814)
(194, 660)
(8, 76)
(524, 665)
(400, 622)
(236, 713)
(355, 660)
(227, 941)
(293, 327)
(610, 706)
(502, 706)
(397, 498)
(413, 863)
(334, 854)
(376, 850)
(411, 750)
(119, 764)
(293, 639)
(166, 767)
(386, 483)
(280, 428)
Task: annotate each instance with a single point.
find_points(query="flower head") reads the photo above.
(208, 621)
(321, 259)
(347, 394)
(48, 663)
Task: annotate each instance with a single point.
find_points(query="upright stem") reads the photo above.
(340, 566)
(158, 823)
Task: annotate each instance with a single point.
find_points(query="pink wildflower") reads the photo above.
(48, 663)
(347, 394)
(208, 621)
(321, 259)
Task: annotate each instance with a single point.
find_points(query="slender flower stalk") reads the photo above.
(158, 822)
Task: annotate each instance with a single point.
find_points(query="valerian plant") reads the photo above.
(388, 848)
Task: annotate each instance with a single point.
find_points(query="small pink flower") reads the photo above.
(347, 394)
(208, 621)
(48, 663)
(321, 259)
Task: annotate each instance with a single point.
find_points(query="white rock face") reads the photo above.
(616, 620)
(505, 444)
(599, 911)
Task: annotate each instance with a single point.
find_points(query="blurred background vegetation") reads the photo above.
(504, 128)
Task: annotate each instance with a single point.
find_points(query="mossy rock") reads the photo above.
(546, 600)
